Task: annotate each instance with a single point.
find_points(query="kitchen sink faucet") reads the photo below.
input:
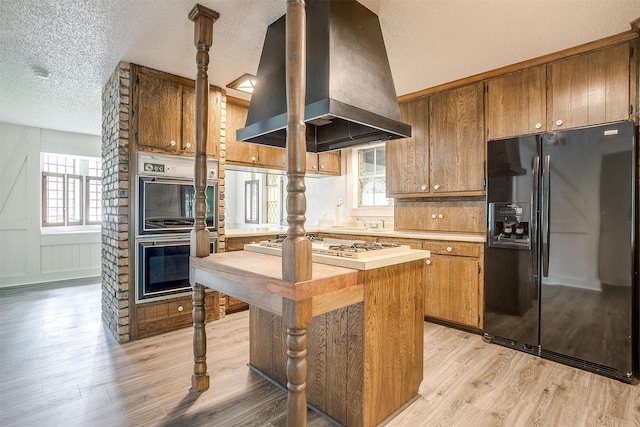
(366, 224)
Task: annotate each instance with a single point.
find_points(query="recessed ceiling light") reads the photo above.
(244, 83)
(41, 73)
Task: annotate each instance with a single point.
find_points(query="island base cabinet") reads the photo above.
(365, 361)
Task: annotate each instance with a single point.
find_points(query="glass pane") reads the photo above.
(366, 192)
(380, 161)
(74, 200)
(368, 162)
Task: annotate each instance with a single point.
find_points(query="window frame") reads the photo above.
(353, 195)
(81, 185)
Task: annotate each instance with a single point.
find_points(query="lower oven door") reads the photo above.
(163, 267)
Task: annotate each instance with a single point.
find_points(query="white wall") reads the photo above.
(28, 255)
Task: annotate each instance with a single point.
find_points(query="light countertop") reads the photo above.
(421, 235)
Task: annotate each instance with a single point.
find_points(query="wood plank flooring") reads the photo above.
(60, 366)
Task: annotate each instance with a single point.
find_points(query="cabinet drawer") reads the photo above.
(454, 248)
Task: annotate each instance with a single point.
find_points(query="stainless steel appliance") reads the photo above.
(163, 266)
(165, 207)
(560, 259)
(166, 194)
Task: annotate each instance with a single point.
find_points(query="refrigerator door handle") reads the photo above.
(545, 210)
(534, 214)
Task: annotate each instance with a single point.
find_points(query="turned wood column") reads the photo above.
(203, 19)
(296, 316)
(296, 248)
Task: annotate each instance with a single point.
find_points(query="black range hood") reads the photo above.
(350, 95)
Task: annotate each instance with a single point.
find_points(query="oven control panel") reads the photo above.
(172, 166)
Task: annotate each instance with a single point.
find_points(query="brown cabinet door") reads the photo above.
(238, 152)
(271, 156)
(312, 163)
(517, 103)
(215, 110)
(456, 123)
(590, 89)
(159, 112)
(407, 160)
(463, 290)
(329, 163)
(188, 119)
(436, 293)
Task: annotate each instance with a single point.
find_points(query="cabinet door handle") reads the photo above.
(440, 216)
(538, 125)
(321, 166)
(433, 216)
(558, 122)
(423, 188)
(428, 262)
(435, 187)
(449, 249)
(172, 143)
(188, 145)
(314, 167)
(253, 159)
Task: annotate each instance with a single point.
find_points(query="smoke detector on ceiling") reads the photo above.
(40, 72)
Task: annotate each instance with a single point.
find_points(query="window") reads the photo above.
(251, 199)
(371, 177)
(71, 190)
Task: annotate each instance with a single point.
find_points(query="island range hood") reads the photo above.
(350, 95)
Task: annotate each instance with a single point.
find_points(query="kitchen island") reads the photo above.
(364, 354)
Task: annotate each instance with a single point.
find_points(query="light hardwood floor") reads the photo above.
(60, 366)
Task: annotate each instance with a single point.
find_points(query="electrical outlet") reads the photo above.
(339, 200)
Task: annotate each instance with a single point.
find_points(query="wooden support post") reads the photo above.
(296, 316)
(296, 249)
(203, 19)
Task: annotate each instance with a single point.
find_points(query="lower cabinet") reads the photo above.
(453, 282)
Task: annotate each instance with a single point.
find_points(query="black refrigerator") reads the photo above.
(560, 255)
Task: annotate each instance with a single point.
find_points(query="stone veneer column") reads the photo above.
(115, 203)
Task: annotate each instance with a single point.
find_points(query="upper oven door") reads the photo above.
(166, 205)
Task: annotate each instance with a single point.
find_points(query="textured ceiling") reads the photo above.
(429, 42)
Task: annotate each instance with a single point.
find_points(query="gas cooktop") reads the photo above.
(346, 248)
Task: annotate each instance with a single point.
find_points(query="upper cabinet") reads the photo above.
(163, 111)
(456, 127)
(590, 89)
(407, 160)
(247, 153)
(517, 103)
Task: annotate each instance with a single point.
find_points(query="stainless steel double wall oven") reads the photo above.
(165, 198)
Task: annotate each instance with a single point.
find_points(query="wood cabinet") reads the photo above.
(517, 103)
(590, 89)
(327, 163)
(428, 215)
(170, 314)
(247, 153)
(164, 113)
(456, 126)
(407, 160)
(453, 282)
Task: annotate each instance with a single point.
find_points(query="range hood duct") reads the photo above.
(350, 96)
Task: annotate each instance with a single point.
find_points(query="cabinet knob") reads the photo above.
(558, 122)
(314, 167)
(433, 216)
(180, 308)
(253, 159)
(172, 143)
(428, 262)
(321, 166)
(440, 216)
(188, 145)
(538, 125)
(435, 187)
(449, 249)
(424, 187)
